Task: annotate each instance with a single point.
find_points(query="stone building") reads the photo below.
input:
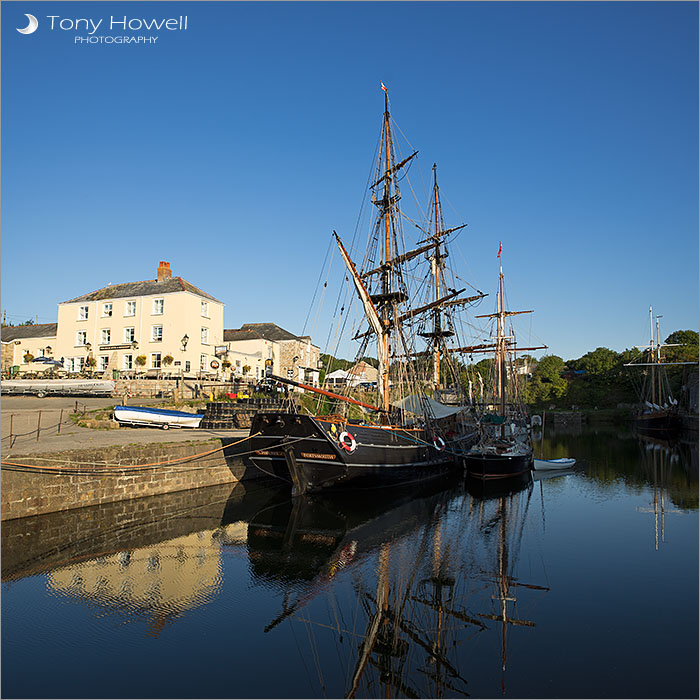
(167, 317)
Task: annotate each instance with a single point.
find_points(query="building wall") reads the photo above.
(182, 314)
(13, 353)
(252, 353)
(305, 368)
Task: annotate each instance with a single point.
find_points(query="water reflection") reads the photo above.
(443, 589)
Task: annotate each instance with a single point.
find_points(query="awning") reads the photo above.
(420, 405)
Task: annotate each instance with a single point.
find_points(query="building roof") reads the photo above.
(37, 330)
(263, 331)
(142, 289)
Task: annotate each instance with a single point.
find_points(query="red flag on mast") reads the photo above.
(382, 85)
(500, 248)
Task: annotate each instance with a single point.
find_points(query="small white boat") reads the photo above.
(156, 417)
(548, 464)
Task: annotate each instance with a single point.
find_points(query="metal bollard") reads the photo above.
(60, 420)
(38, 427)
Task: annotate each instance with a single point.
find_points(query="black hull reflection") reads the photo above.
(314, 536)
(485, 489)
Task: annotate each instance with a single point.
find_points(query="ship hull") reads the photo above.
(487, 466)
(660, 423)
(317, 454)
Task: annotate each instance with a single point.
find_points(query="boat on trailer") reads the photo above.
(141, 416)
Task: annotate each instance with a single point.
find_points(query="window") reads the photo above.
(130, 308)
(156, 334)
(205, 336)
(157, 307)
(129, 334)
(107, 310)
(82, 313)
(74, 364)
(203, 363)
(105, 336)
(81, 338)
(188, 365)
(155, 360)
(102, 362)
(205, 309)
(128, 362)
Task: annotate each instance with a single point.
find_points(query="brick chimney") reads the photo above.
(164, 272)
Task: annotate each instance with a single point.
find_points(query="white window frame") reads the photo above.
(107, 309)
(128, 361)
(205, 309)
(129, 334)
(203, 363)
(157, 334)
(158, 307)
(81, 338)
(105, 336)
(156, 360)
(83, 313)
(204, 336)
(102, 362)
(130, 305)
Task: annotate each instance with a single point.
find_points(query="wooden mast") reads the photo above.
(436, 272)
(386, 273)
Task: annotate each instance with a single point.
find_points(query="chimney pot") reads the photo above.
(164, 272)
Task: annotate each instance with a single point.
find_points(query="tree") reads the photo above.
(687, 347)
(547, 383)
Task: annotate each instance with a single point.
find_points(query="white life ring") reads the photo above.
(438, 443)
(351, 444)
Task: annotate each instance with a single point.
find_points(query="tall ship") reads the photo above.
(417, 423)
(657, 414)
(504, 447)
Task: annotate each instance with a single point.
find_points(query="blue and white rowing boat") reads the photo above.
(156, 417)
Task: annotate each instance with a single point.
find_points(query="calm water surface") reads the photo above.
(581, 585)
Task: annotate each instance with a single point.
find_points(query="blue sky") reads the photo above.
(567, 130)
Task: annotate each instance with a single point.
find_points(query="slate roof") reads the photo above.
(264, 331)
(142, 289)
(38, 330)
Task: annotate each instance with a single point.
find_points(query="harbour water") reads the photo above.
(576, 585)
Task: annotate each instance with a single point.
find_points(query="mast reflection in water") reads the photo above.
(441, 590)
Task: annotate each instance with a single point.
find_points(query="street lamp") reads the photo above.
(184, 341)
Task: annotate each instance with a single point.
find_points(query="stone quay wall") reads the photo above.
(37, 484)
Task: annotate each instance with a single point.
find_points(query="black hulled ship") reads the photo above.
(504, 448)
(418, 425)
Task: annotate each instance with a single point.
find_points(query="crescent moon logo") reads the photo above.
(31, 27)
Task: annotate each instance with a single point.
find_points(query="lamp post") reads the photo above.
(185, 339)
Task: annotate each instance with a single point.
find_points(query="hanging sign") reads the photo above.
(214, 364)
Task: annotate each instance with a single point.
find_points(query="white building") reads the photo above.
(161, 326)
